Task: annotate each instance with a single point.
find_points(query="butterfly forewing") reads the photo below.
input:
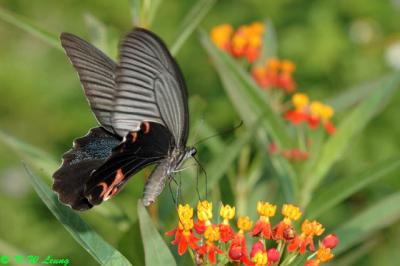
(96, 72)
(149, 87)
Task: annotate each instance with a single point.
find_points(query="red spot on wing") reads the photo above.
(109, 191)
(146, 127)
(134, 136)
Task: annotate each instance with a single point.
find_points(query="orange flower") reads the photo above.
(309, 230)
(221, 36)
(184, 236)
(211, 234)
(238, 250)
(284, 230)
(263, 226)
(226, 231)
(245, 42)
(323, 255)
(275, 73)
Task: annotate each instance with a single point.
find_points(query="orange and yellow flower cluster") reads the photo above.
(220, 242)
(275, 73)
(313, 113)
(245, 42)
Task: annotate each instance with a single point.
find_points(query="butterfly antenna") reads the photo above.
(220, 134)
(205, 174)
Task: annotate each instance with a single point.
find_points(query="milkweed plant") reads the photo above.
(268, 187)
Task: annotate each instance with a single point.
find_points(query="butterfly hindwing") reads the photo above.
(150, 144)
(88, 153)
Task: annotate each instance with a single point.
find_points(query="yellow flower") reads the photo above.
(300, 101)
(291, 212)
(316, 108)
(204, 210)
(260, 258)
(212, 234)
(221, 35)
(244, 223)
(257, 28)
(327, 113)
(185, 212)
(186, 225)
(266, 209)
(324, 254)
(227, 213)
(312, 228)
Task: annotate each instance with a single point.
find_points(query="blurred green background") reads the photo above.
(335, 45)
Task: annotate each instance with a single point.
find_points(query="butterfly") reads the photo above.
(142, 107)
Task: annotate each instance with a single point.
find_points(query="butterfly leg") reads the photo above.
(172, 194)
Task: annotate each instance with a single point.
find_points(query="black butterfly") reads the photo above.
(141, 105)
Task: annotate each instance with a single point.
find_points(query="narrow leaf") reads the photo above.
(34, 156)
(154, 5)
(28, 26)
(349, 127)
(135, 12)
(351, 96)
(190, 22)
(269, 47)
(340, 190)
(94, 244)
(361, 226)
(155, 250)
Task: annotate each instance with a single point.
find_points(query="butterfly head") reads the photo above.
(191, 151)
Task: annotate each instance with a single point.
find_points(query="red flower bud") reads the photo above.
(273, 255)
(258, 246)
(330, 241)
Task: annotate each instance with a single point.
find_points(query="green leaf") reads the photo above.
(34, 156)
(223, 162)
(351, 258)
(190, 22)
(340, 190)
(361, 226)
(143, 12)
(155, 250)
(94, 244)
(154, 5)
(28, 26)
(351, 96)
(270, 47)
(136, 12)
(9, 250)
(350, 126)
